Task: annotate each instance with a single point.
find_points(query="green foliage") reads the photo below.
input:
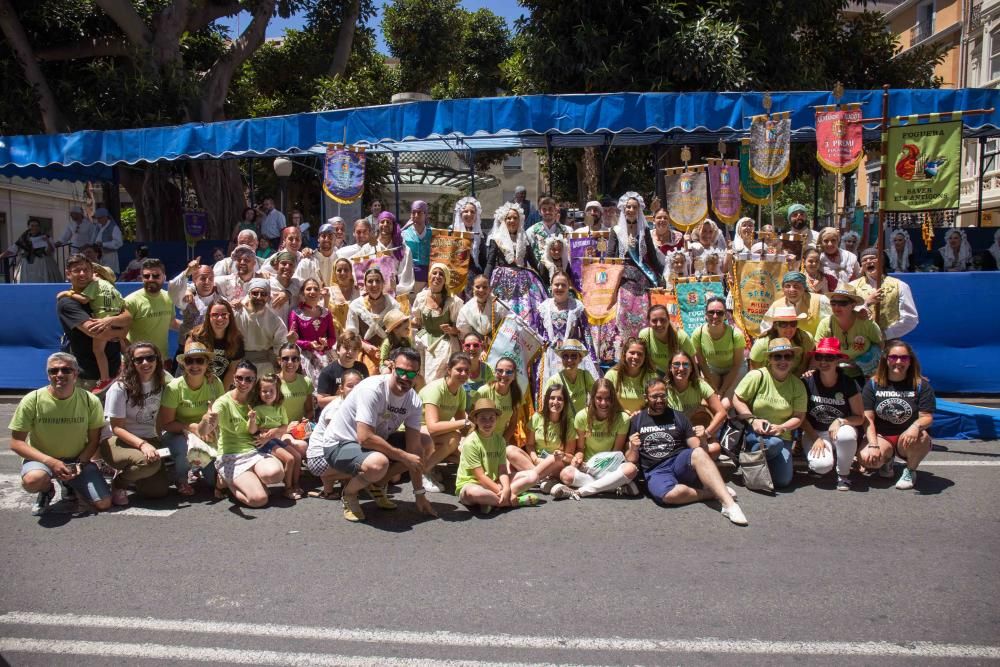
(424, 35)
(484, 43)
(127, 222)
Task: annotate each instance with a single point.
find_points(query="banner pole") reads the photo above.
(882, 188)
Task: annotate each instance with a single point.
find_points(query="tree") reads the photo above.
(424, 35)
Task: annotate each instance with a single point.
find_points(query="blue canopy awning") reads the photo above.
(620, 119)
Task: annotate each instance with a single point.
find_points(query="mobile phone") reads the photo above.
(163, 452)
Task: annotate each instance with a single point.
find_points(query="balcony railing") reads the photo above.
(920, 32)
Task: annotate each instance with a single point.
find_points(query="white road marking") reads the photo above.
(932, 462)
(14, 498)
(217, 655)
(908, 649)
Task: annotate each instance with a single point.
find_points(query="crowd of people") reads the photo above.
(289, 364)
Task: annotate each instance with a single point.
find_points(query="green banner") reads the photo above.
(925, 167)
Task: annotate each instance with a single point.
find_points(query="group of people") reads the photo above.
(35, 249)
(294, 364)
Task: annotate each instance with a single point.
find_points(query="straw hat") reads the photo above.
(845, 290)
(194, 348)
(781, 345)
(394, 319)
(571, 345)
(483, 404)
(787, 314)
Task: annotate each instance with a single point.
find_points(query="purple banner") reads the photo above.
(585, 244)
(724, 186)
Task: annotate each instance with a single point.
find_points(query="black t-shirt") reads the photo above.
(661, 437)
(72, 315)
(220, 361)
(897, 406)
(328, 382)
(827, 404)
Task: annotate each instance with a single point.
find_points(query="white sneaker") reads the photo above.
(735, 514)
(430, 486)
(560, 491)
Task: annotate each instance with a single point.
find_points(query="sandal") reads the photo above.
(292, 494)
(332, 494)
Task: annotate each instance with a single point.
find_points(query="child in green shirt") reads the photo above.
(105, 301)
(268, 419)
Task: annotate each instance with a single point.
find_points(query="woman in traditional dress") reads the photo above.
(343, 290)
(365, 315)
(482, 313)
(835, 260)
(468, 218)
(899, 253)
(706, 236)
(850, 242)
(390, 240)
(955, 254)
(810, 306)
(507, 243)
(633, 242)
(434, 313)
(35, 256)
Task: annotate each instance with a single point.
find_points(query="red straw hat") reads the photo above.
(829, 346)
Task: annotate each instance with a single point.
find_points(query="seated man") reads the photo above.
(55, 430)
(362, 439)
(263, 331)
(677, 470)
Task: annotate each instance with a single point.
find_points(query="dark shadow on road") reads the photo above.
(929, 484)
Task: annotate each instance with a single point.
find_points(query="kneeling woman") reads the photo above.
(899, 405)
(548, 434)
(598, 459)
(776, 401)
(245, 471)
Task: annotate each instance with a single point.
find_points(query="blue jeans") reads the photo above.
(779, 456)
(178, 446)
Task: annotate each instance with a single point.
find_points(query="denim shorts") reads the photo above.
(662, 479)
(347, 456)
(89, 484)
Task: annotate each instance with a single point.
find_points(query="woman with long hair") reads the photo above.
(313, 326)
(296, 388)
(220, 334)
(549, 433)
(506, 394)
(366, 313)
(630, 375)
(720, 350)
(445, 418)
(662, 341)
(343, 290)
(899, 407)
(695, 399)
(435, 312)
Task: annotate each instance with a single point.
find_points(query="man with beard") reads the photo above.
(362, 441)
(897, 314)
(326, 251)
(226, 265)
(151, 308)
(233, 286)
(192, 302)
(800, 225)
(263, 331)
(678, 470)
(362, 241)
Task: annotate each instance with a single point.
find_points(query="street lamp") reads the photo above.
(283, 169)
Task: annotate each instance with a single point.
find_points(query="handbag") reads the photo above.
(732, 437)
(756, 475)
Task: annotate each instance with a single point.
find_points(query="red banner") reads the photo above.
(839, 141)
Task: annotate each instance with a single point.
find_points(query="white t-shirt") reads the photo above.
(140, 422)
(319, 428)
(371, 402)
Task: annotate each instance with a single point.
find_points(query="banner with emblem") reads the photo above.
(756, 284)
(195, 226)
(692, 294)
(453, 249)
(751, 190)
(582, 244)
(384, 261)
(839, 140)
(924, 168)
(724, 187)
(600, 281)
(515, 340)
(687, 195)
(659, 296)
(344, 173)
(770, 147)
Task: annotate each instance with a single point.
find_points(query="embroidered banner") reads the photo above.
(724, 186)
(385, 262)
(600, 289)
(453, 249)
(751, 190)
(687, 195)
(770, 143)
(521, 291)
(344, 173)
(583, 244)
(756, 285)
(839, 140)
(924, 172)
(691, 298)
(515, 340)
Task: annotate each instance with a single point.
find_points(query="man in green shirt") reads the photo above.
(151, 308)
(55, 430)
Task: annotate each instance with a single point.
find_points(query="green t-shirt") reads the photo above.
(758, 352)
(772, 400)
(478, 452)
(295, 394)
(632, 393)
(504, 404)
(474, 383)
(690, 399)
(271, 416)
(718, 353)
(151, 318)
(855, 341)
(234, 436)
(547, 439)
(104, 298)
(387, 346)
(448, 404)
(601, 435)
(58, 427)
(191, 404)
(578, 390)
(660, 353)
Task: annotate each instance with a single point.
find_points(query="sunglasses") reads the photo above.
(219, 315)
(897, 358)
(839, 302)
(289, 359)
(784, 356)
(409, 375)
(786, 324)
(60, 370)
(680, 364)
(145, 359)
(195, 361)
(245, 378)
(825, 357)
(503, 371)
(715, 313)
(152, 276)
(656, 397)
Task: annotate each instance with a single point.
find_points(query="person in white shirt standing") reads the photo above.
(108, 235)
(273, 223)
(79, 232)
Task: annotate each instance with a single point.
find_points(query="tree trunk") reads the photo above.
(219, 186)
(132, 179)
(345, 39)
(12, 29)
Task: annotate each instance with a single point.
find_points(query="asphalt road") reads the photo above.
(819, 577)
